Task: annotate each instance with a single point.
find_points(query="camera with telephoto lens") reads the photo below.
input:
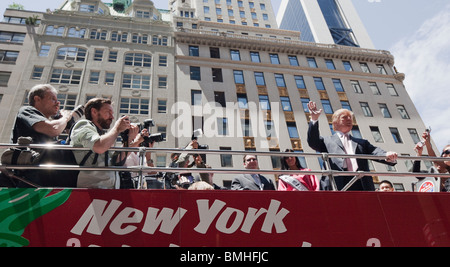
(147, 124)
(77, 113)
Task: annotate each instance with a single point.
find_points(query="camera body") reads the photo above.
(147, 124)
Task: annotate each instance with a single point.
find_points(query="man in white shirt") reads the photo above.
(343, 143)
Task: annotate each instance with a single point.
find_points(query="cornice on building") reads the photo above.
(240, 41)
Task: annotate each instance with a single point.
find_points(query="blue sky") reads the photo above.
(416, 32)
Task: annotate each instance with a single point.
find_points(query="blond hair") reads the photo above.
(337, 115)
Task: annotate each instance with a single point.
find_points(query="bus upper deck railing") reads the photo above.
(142, 150)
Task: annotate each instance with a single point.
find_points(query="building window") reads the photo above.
(134, 81)
(264, 102)
(338, 85)
(193, 51)
(196, 97)
(365, 67)
(319, 83)
(395, 135)
(37, 73)
(76, 33)
(270, 129)
(45, 50)
(66, 76)
(98, 35)
(286, 103)
(119, 37)
(138, 60)
(109, 78)
(162, 106)
(142, 14)
(238, 76)
(98, 55)
(87, 8)
(162, 61)
(112, 56)
(274, 59)
(259, 78)
(195, 73)
(326, 104)
(305, 102)
(279, 78)
(214, 52)
(226, 160)
(8, 56)
(136, 106)
(242, 100)
(391, 89)
(67, 101)
(356, 87)
(381, 69)
(373, 86)
(300, 82)
(376, 134)
(347, 65)
(4, 78)
(222, 126)
(385, 111)
(219, 97)
(293, 60)
(139, 38)
(54, 31)
(217, 75)
(255, 57)
(72, 53)
(366, 109)
(312, 62)
(162, 82)
(414, 135)
(292, 129)
(94, 77)
(403, 113)
(346, 105)
(235, 55)
(330, 64)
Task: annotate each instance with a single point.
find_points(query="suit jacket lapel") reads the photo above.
(338, 141)
(250, 178)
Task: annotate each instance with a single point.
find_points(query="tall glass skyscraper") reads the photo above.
(324, 21)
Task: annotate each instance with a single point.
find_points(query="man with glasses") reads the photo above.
(251, 181)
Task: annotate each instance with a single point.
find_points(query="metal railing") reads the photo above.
(141, 169)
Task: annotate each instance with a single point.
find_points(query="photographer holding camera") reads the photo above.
(136, 139)
(91, 133)
(40, 122)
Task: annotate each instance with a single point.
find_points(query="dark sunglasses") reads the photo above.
(446, 152)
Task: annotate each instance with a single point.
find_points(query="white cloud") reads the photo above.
(425, 59)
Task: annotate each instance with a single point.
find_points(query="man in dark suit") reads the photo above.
(343, 143)
(251, 181)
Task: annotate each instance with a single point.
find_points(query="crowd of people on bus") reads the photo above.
(43, 121)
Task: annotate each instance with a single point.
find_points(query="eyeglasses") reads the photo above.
(446, 152)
